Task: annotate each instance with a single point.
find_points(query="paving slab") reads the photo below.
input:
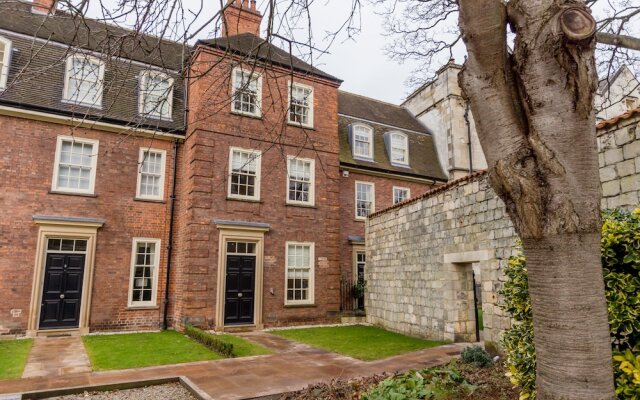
(56, 356)
(248, 377)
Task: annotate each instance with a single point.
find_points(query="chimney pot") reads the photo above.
(47, 7)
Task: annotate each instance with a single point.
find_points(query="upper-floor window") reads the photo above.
(301, 104)
(300, 273)
(247, 92)
(362, 142)
(156, 95)
(151, 174)
(83, 81)
(244, 174)
(5, 55)
(301, 181)
(75, 165)
(398, 148)
(400, 194)
(145, 260)
(365, 199)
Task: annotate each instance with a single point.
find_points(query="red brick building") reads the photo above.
(220, 185)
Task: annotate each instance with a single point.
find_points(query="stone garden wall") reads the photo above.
(420, 260)
(421, 254)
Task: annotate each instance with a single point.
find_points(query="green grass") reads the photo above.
(244, 348)
(363, 342)
(13, 357)
(134, 350)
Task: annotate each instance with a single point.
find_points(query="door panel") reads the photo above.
(62, 291)
(240, 288)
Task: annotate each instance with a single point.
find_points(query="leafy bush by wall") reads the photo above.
(621, 271)
(210, 341)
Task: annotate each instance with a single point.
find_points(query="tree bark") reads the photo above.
(536, 124)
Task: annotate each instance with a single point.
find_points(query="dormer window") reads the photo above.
(362, 142)
(398, 148)
(5, 54)
(156, 95)
(247, 92)
(83, 81)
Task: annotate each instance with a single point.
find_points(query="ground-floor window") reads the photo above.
(299, 271)
(145, 259)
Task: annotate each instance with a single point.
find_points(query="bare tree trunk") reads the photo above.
(536, 124)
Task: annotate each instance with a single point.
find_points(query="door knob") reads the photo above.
(62, 296)
(239, 294)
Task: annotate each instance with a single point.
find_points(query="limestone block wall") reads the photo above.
(420, 260)
(420, 254)
(619, 157)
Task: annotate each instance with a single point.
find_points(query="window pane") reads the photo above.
(143, 272)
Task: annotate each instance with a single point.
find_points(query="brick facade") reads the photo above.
(205, 216)
(28, 162)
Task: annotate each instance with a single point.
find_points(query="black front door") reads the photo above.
(62, 291)
(240, 287)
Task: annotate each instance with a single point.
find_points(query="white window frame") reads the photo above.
(56, 165)
(373, 198)
(143, 90)
(312, 183)
(353, 142)
(393, 194)
(312, 273)
(251, 74)
(155, 272)
(6, 59)
(310, 100)
(141, 156)
(258, 158)
(406, 148)
(66, 96)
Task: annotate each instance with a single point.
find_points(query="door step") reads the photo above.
(58, 333)
(240, 329)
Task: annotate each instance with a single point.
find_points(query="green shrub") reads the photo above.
(210, 341)
(621, 271)
(429, 383)
(477, 356)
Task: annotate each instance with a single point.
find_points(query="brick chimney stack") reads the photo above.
(239, 16)
(46, 7)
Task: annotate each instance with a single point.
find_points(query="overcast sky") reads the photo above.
(360, 61)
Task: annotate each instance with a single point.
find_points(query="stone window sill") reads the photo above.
(300, 305)
(138, 308)
(301, 205)
(246, 115)
(244, 200)
(72, 193)
(149, 200)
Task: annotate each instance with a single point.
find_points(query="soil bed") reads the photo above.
(491, 382)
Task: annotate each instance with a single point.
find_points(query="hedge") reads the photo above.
(621, 271)
(211, 341)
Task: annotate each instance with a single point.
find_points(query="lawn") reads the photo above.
(363, 342)
(135, 350)
(244, 348)
(13, 357)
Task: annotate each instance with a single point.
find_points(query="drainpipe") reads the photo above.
(172, 200)
(466, 119)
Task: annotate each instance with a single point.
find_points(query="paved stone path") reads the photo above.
(293, 367)
(56, 356)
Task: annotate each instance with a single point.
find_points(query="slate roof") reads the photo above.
(370, 109)
(382, 118)
(90, 34)
(249, 45)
